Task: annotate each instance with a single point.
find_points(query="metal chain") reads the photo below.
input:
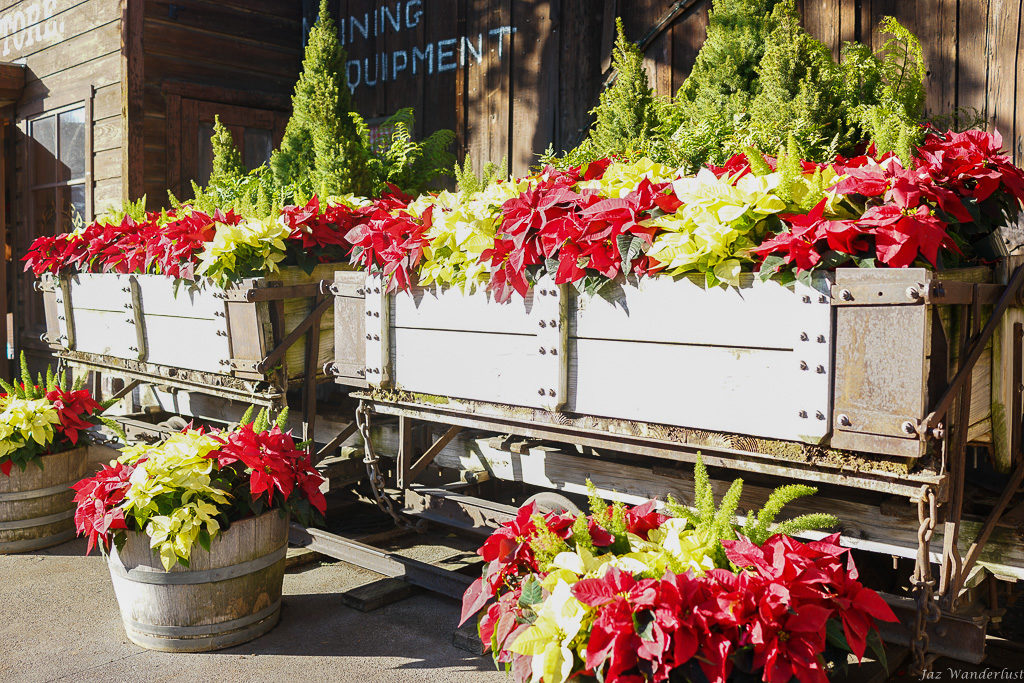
(377, 481)
(922, 583)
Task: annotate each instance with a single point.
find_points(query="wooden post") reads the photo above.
(5, 366)
(405, 451)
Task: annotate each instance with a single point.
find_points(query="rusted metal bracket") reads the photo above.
(919, 294)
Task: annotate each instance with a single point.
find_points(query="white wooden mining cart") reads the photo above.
(874, 385)
(251, 342)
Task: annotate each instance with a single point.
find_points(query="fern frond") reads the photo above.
(722, 525)
(246, 418)
(758, 165)
(26, 377)
(703, 496)
(778, 499)
(113, 426)
(9, 389)
(598, 506)
(814, 521)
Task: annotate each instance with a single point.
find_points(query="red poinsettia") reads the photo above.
(274, 463)
(97, 497)
(73, 407)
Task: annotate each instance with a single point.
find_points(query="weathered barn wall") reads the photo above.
(236, 58)
(72, 53)
(512, 76)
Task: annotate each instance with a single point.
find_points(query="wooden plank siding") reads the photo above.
(538, 83)
(231, 54)
(71, 52)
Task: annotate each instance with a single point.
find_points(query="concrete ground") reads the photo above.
(59, 621)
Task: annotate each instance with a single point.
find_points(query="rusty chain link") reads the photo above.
(922, 583)
(377, 481)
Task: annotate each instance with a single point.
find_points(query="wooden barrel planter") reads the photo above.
(36, 508)
(226, 596)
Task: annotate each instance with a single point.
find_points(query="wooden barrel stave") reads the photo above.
(36, 506)
(227, 596)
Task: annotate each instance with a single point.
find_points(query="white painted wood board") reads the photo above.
(750, 360)
(450, 309)
(684, 311)
(160, 296)
(503, 368)
(107, 333)
(193, 343)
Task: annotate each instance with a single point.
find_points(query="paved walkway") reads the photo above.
(59, 621)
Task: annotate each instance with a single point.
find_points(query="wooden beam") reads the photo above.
(432, 452)
(132, 106)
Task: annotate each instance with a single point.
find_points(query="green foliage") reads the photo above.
(761, 78)
(135, 210)
(409, 164)
(467, 182)
(886, 90)
(546, 544)
(629, 119)
(227, 160)
(326, 149)
(321, 150)
(713, 102)
(252, 193)
(581, 535)
(758, 526)
(715, 523)
(800, 92)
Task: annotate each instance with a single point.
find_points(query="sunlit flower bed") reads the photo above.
(785, 218)
(193, 485)
(631, 594)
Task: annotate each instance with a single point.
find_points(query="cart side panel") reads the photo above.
(466, 345)
(350, 328)
(679, 353)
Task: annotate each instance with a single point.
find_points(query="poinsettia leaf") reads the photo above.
(532, 592)
(630, 247)
(644, 627)
(877, 648)
(834, 632)
(805, 277)
(551, 266)
(204, 539)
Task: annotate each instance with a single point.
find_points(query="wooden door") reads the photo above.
(257, 131)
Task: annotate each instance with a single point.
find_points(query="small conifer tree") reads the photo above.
(714, 99)
(227, 160)
(800, 92)
(321, 150)
(628, 120)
